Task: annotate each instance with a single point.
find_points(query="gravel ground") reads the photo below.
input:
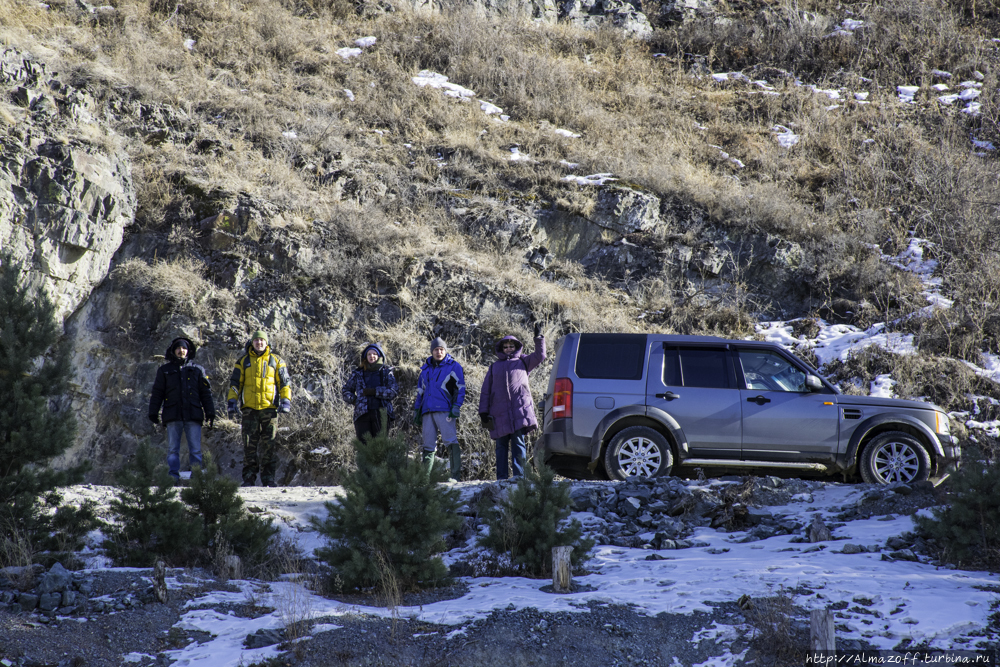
(603, 635)
(99, 640)
(599, 634)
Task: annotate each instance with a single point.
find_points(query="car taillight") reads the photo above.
(562, 399)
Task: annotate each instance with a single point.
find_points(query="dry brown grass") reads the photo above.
(178, 285)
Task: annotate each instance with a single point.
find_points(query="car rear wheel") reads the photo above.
(638, 451)
(895, 457)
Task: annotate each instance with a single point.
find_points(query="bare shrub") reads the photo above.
(733, 513)
(388, 590)
(225, 563)
(776, 630)
(17, 558)
(945, 382)
(284, 558)
(295, 608)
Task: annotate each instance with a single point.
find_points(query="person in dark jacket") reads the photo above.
(370, 389)
(181, 387)
(440, 394)
(506, 408)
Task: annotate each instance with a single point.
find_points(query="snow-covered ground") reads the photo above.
(887, 601)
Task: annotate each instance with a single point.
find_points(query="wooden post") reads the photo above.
(160, 581)
(821, 630)
(562, 571)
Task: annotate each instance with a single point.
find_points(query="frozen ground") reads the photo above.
(886, 603)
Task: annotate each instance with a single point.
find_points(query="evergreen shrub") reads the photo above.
(150, 522)
(226, 523)
(34, 374)
(967, 530)
(531, 521)
(386, 529)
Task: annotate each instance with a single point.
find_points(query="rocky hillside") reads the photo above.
(337, 172)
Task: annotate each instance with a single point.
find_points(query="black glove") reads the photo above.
(487, 420)
(368, 391)
(155, 418)
(231, 409)
(538, 329)
(211, 422)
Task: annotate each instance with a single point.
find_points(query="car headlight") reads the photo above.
(941, 420)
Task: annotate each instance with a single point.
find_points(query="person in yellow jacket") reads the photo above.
(260, 388)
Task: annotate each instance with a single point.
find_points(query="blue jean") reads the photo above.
(192, 432)
(515, 443)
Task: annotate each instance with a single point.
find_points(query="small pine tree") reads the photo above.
(532, 520)
(34, 372)
(216, 499)
(150, 522)
(968, 529)
(391, 520)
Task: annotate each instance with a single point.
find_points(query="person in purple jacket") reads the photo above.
(506, 408)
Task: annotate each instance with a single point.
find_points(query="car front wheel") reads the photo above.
(638, 451)
(895, 457)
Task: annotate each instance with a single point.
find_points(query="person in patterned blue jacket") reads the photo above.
(370, 389)
(440, 394)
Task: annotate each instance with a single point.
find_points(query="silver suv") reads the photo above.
(629, 405)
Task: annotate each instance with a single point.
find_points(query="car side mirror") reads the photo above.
(814, 383)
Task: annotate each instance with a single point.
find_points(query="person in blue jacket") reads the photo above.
(440, 394)
(370, 389)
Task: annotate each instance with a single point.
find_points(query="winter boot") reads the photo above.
(455, 451)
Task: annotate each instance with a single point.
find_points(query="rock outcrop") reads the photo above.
(66, 192)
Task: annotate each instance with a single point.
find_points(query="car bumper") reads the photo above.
(558, 438)
(949, 445)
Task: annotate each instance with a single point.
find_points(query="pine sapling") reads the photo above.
(968, 529)
(226, 523)
(150, 522)
(34, 375)
(391, 521)
(532, 520)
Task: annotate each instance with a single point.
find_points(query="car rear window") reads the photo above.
(611, 356)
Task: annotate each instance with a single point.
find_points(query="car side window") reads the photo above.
(696, 367)
(768, 371)
(611, 356)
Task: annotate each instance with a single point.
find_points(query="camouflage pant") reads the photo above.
(260, 430)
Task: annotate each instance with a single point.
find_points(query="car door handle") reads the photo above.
(668, 395)
(759, 400)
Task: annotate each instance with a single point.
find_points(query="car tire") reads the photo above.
(638, 451)
(895, 457)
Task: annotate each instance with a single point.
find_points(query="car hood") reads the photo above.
(877, 401)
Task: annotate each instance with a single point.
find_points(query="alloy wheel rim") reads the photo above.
(896, 462)
(639, 457)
